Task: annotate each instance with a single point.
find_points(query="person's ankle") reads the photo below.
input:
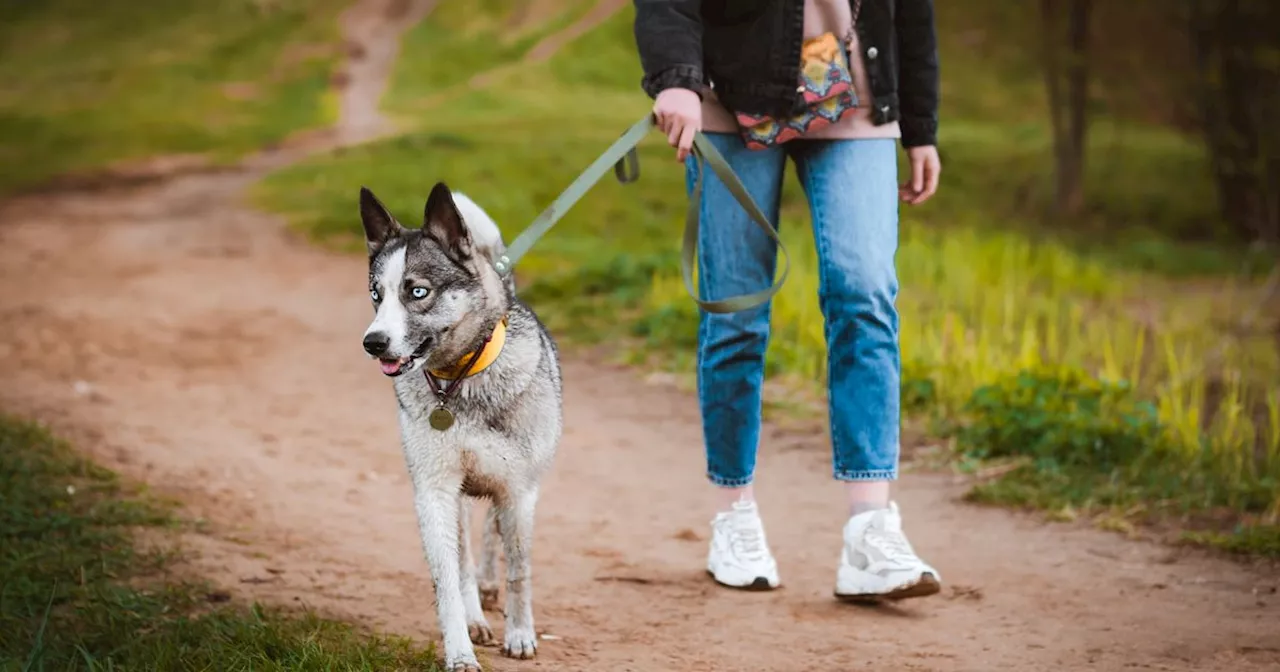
(867, 496)
(859, 508)
(731, 496)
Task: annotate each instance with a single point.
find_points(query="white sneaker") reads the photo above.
(877, 561)
(739, 556)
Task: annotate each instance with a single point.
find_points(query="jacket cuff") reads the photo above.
(678, 77)
(918, 132)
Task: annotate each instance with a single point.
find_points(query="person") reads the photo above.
(700, 60)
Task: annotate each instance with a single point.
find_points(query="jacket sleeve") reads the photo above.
(669, 39)
(917, 72)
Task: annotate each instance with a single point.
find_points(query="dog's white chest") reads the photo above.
(469, 454)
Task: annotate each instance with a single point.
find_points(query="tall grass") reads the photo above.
(980, 306)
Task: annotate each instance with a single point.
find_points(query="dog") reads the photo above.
(477, 379)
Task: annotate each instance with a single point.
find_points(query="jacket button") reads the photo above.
(872, 53)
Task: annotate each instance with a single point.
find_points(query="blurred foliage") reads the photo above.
(88, 85)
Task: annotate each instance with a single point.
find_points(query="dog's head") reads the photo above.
(435, 294)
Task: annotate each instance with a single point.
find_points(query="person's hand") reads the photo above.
(679, 115)
(925, 167)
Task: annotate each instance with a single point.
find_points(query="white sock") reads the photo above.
(859, 508)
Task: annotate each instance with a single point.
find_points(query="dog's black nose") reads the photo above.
(376, 343)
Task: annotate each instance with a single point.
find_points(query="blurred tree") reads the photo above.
(1236, 45)
(1065, 45)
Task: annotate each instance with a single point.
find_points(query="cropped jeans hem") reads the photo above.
(872, 475)
(728, 482)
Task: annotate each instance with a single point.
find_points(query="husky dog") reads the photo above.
(477, 378)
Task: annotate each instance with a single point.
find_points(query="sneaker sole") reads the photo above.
(925, 586)
(760, 584)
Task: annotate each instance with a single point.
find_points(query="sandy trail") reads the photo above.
(198, 346)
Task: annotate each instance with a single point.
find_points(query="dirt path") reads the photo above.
(197, 345)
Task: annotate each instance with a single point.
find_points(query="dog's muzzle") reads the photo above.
(376, 344)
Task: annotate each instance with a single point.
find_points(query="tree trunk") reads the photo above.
(1237, 57)
(1066, 71)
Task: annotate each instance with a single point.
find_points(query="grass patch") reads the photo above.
(1079, 444)
(988, 291)
(76, 594)
(1261, 540)
(87, 85)
(460, 40)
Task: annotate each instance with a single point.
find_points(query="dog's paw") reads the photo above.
(489, 599)
(520, 643)
(481, 634)
(461, 664)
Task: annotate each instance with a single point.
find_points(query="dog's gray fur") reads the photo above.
(509, 416)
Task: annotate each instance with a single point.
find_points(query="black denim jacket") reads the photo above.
(751, 50)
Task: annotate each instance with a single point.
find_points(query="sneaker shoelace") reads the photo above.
(746, 539)
(893, 544)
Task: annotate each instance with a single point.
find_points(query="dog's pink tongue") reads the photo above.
(389, 366)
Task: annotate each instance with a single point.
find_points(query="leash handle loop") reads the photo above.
(706, 154)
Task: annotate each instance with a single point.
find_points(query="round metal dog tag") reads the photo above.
(441, 419)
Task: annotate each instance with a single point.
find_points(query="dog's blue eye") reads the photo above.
(373, 293)
(418, 292)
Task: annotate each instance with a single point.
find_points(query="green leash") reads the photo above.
(622, 157)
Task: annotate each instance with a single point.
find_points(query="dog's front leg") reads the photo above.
(490, 547)
(438, 516)
(477, 624)
(516, 521)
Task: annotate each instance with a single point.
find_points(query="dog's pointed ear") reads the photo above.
(380, 227)
(442, 220)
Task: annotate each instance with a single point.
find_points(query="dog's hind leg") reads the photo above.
(438, 510)
(516, 520)
(490, 547)
(477, 625)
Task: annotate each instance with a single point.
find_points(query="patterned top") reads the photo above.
(820, 16)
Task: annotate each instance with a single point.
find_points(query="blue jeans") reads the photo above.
(852, 190)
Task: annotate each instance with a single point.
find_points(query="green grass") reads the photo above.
(88, 84)
(989, 291)
(1068, 440)
(459, 40)
(76, 594)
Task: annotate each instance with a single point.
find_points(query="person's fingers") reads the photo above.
(917, 173)
(918, 195)
(669, 119)
(930, 171)
(673, 131)
(686, 141)
(931, 185)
